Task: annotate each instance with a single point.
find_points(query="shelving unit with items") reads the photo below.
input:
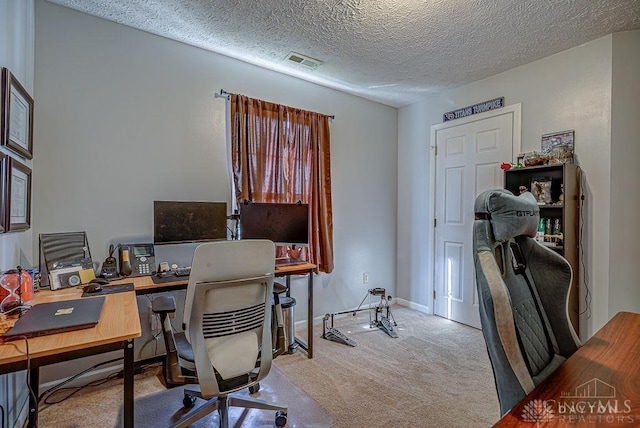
(557, 189)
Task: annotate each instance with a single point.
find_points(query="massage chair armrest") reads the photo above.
(163, 304)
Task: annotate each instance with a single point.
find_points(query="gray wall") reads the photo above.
(624, 288)
(125, 118)
(16, 54)
(569, 90)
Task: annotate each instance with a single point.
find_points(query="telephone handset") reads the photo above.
(137, 259)
(109, 266)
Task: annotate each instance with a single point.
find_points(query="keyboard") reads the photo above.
(182, 271)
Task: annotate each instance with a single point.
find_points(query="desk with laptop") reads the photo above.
(68, 323)
(116, 320)
(118, 324)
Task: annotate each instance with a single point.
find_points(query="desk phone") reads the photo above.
(141, 258)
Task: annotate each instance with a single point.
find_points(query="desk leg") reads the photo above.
(128, 384)
(310, 320)
(308, 347)
(34, 383)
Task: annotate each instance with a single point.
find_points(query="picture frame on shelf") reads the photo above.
(16, 121)
(541, 190)
(18, 196)
(559, 146)
(4, 170)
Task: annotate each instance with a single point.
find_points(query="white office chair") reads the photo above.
(227, 322)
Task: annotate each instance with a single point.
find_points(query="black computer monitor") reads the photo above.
(284, 224)
(177, 222)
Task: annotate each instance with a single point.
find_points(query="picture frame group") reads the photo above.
(16, 139)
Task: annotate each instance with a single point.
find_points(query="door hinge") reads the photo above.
(434, 294)
(435, 222)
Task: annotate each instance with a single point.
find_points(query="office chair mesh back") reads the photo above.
(523, 288)
(229, 323)
(232, 329)
(226, 310)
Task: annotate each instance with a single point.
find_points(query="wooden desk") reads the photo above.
(583, 391)
(145, 285)
(119, 324)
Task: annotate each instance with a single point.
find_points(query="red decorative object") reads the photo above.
(14, 292)
(505, 166)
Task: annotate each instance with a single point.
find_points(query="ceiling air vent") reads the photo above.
(304, 60)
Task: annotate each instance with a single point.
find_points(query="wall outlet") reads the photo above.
(365, 278)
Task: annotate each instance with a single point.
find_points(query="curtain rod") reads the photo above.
(224, 94)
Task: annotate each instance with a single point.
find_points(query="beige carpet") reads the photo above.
(436, 374)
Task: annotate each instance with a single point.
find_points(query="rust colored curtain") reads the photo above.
(281, 154)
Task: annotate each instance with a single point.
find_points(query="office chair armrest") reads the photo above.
(163, 304)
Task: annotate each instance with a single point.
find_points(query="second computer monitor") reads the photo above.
(284, 224)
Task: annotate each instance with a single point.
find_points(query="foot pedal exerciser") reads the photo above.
(383, 322)
(385, 325)
(334, 334)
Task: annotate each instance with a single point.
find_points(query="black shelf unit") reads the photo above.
(565, 180)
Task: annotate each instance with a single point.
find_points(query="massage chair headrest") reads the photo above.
(510, 215)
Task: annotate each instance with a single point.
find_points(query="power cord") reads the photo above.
(585, 272)
(57, 387)
(2, 411)
(155, 334)
(32, 394)
(75, 389)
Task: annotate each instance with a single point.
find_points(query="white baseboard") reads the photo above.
(414, 306)
(318, 318)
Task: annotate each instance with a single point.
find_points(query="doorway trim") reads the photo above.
(516, 112)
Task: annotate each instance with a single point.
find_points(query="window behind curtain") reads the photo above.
(281, 154)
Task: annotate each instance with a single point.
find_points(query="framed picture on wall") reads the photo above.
(4, 169)
(17, 116)
(18, 196)
(564, 138)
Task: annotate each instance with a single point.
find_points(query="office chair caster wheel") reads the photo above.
(254, 388)
(281, 418)
(188, 401)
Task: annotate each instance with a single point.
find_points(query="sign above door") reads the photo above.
(474, 109)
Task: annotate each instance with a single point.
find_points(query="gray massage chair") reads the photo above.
(523, 290)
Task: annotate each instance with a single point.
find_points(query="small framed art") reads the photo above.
(559, 146)
(18, 196)
(17, 116)
(541, 189)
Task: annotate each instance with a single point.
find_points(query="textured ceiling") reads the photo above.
(390, 51)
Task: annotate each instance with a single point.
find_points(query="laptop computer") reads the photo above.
(57, 317)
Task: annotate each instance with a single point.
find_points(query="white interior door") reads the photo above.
(467, 162)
